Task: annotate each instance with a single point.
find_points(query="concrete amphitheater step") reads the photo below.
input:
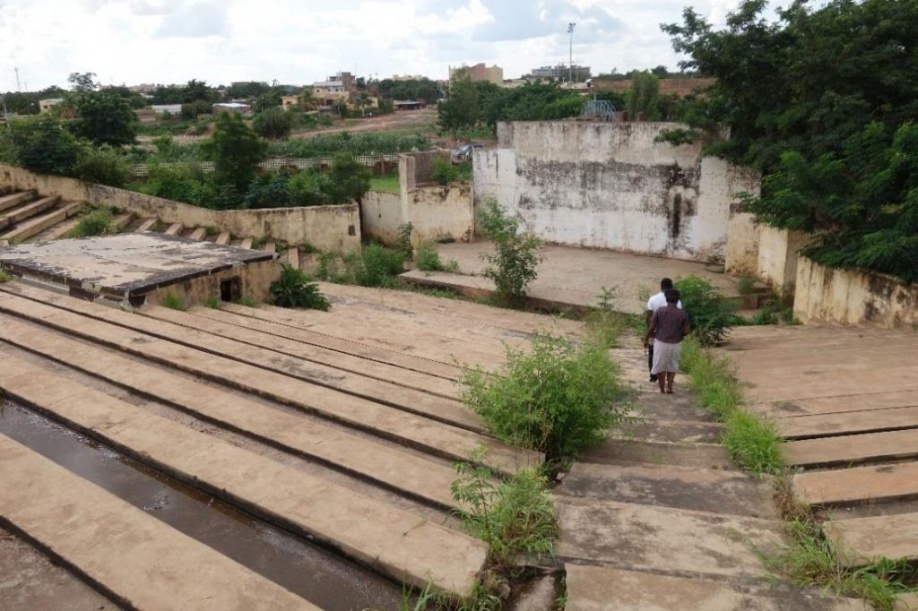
(649, 538)
(389, 466)
(851, 449)
(16, 199)
(18, 215)
(267, 322)
(427, 435)
(34, 226)
(591, 588)
(224, 238)
(860, 541)
(146, 225)
(397, 543)
(847, 423)
(710, 490)
(388, 374)
(156, 568)
(871, 484)
(174, 229)
(408, 337)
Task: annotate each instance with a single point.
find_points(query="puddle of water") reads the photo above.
(305, 569)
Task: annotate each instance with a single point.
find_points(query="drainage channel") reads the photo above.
(305, 569)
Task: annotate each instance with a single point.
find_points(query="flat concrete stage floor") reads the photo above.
(124, 266)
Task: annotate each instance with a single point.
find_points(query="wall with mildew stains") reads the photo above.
(609, 185)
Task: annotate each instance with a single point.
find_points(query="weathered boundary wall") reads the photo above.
(833, 296)
(609, 185)
(325, 227)
(436, 212)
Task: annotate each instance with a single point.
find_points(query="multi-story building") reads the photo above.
(481, 72)
(562, 72)
(337, 88)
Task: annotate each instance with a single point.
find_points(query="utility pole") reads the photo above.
(18, 86)
(570, 67)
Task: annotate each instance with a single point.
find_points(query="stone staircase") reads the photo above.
(27, 216)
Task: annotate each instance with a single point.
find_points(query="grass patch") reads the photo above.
(752, 442)
(93, 222)
(4, 277)
(173, 302)
(427, 259)
(374, 265)
(248, 301)
(386, 183)
(213, 302)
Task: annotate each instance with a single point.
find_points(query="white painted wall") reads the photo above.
(381, 215)
(609, 185)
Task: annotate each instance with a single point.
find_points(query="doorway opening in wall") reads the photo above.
(231, 290)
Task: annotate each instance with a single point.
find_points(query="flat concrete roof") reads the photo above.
(124, 265)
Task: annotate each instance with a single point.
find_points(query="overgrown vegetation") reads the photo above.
(427, 258)
(93, 221)
(710, 314)
(354, 144)
(293, 290)
(836, 139)
(753, 443)
(514, 517)
(374, 265)
(4, 277)
(173, 302)
(515, 262)
(558, 398)
(446, 172)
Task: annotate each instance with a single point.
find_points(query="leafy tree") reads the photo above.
(823, 102)
(515, 262)
(363, 101)
(43, 145)
(105, 118)
(348, 180)
(274, 123)
(644, 96)
(461, 108)
(266, 100)
(236, 151)
(83, 82)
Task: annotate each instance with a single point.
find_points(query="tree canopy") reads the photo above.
(822, 102)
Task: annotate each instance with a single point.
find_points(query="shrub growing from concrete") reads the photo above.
(514, 264)
(558, 398)
(710, 314)
(293, 290)
(93, 222)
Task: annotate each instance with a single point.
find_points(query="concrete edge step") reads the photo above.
(82, 512)
(400, 544)
(15, 199)
(858, 485)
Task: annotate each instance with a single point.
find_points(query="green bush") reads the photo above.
(103, 166)
(93, 222)
(427, 258)
(559, 398)
(514, 264)
(377, 266)
(45, 146)
(274, 123)
(293, 290)
(513, 517)
(710, 315)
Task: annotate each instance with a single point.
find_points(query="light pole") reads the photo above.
(570, 66)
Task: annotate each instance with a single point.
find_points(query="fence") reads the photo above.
(381, 164)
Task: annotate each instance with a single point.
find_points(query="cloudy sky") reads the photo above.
(300, 41)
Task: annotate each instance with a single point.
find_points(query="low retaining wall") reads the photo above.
(324, 227)
(381, 216)
(834, 296)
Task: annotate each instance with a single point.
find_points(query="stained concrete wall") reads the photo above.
(778, 253)
(741, 255)
(825, 295)
(436, 212)
(255, 280)
(325, 227)
(609, 185)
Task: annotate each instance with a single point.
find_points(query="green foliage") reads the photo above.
(428, 259)
(644, 96)
(213, 302)
(4, 277)
(605, 324)
(236, 151)
(293, 290)
(677, 136)
(422, 89)
(93, 222)
(104, 166)
(711, 378)
(105, 118)
(192, 110)
(514, 265)
(403, 238)
(173, 302)
(328, 145)
(710, 315)
(191, 185)
(446, 172)
(375, 265)
(274, 123)
(823, 100)
(753, 444)
(513, 517)
(558, 398)
(348, 180)
(387, 183)
(43, 145)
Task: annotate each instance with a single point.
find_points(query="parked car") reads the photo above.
(464, 152)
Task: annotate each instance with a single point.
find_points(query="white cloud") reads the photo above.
(166, 41)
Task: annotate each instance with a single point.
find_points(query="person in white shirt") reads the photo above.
(656, 301)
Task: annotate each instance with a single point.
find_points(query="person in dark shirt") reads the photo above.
(668, 326)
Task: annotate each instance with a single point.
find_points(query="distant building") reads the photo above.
(480, 72)
(290, 102)
(408, 77)
(47, 104)
(337, 88)
(562, 72)
(172, 109)
(231, 107)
